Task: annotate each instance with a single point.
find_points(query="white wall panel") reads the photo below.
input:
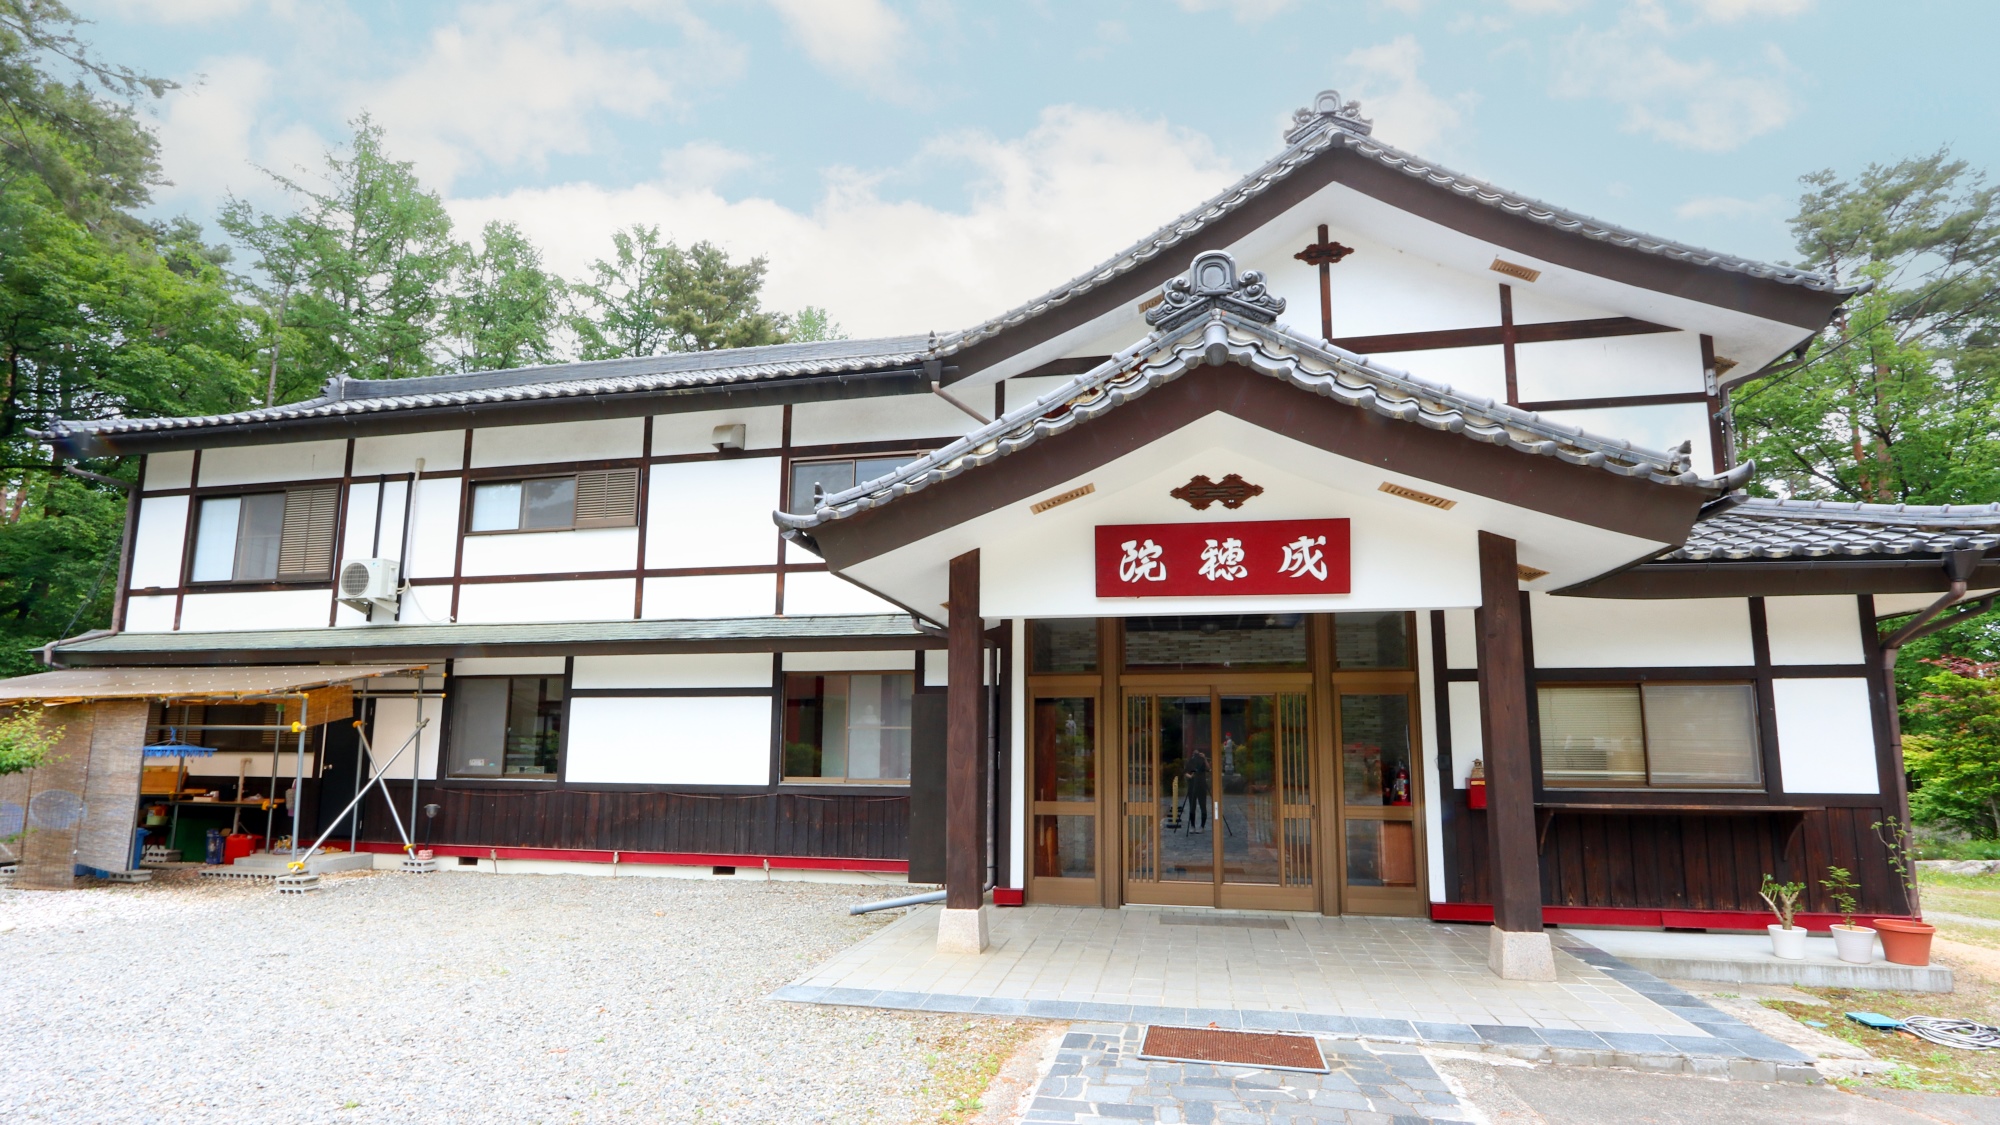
(1022, 391)
(1461, 643)
(673, 670)
(397, 453)
(1607, 633)
(824, 592)
(597, 599)
(157, 542)
(425, 605)
(882, 660)
(1468, 741)
(267, 464)
(149, 615)
(1660, 428)
(1662, 363)
(676, 435)
(674, 741)
(258, 609)
(557, 441)
(711, 595)
(395, 719)
(508, 666)
(168, 470)
(882, 419)
(1822, 629)
(1475, 371)
(434, 539)
(712, 513)
(1381, 288)
(1433, 804)
(255, 765)
(553, 552)
(358, 540)
(937, 667)
(1826, 736)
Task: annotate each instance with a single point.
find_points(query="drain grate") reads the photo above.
(1263, 1049)
(1240, 923)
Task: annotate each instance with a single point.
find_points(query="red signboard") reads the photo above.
(1206, 560)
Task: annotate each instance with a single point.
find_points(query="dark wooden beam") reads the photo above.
(1510, 334)
(1544, 333)
(1503, 722)
(965, 746)
(1674, 399)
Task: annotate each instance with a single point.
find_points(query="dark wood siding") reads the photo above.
(1683, 862)
(862, 825)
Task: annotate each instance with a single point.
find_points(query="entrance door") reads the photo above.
(1219, 798)
(1378, 799)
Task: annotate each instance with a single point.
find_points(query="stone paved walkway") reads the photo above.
(1098, 1076)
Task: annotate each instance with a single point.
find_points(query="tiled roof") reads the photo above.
(1816, 529)
(1322, 132)
(1225, 336)
(679, 370)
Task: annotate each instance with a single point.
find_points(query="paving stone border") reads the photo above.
(1730, 1049)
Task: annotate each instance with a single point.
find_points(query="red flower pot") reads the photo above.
(1905, 941)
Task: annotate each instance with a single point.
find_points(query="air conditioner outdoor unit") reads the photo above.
(367, 584)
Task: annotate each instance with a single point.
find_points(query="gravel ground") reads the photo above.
(387, 997)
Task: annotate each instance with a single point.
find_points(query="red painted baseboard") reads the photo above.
(1646, 918)
(683, 859)
(1009, 896)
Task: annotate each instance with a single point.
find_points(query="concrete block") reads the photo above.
(1520, 956)
(962, 931)
(1753, 1070)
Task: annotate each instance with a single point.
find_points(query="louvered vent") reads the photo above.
(1437, 502)
(305, 546)
(607, 499)
(1515, 270)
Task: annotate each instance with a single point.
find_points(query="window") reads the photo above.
(1064, 646)
(1240, 641)
(1065, 787)
(266, 537)
(848, 726)
(506, 726)
(839, 476)
(606, 499)
(1701, 736)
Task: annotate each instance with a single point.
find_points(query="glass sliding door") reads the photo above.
(1063, 832)
(1378, 799)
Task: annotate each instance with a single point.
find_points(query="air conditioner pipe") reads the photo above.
(893, 903)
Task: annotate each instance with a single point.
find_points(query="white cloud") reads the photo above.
(1728, 207)
(701, 164)
(859, 41)
(1245, 11)
(1078, 187)
(507, 85)
(1729, 11)
(211, 140)
(1698, 104)
(178, 11)
(1406, 111)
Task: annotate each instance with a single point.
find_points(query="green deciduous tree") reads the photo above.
(1956, 758)
(503, 306)
(652, 297)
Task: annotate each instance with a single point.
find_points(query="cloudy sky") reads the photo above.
(924, 164)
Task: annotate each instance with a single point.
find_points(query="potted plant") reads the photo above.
(1905, 941)
(1787, 940)
(1855, 944)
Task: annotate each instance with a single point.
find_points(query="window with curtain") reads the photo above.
(506, 727)
(1685, 736)
(848, 726)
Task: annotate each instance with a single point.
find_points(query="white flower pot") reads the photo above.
(1789, 944)
(1855, 944)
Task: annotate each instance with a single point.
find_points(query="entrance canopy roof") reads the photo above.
(75, 685)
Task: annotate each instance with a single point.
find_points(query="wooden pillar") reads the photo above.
(962, 926)
(1519, 948)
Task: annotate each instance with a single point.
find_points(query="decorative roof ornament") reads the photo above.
(1328, 108)
(1212, 282)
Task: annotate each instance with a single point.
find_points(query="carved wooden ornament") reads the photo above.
(1232, 490)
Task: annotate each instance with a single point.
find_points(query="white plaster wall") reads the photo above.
(434, 539)
(937, 667)
(1461, 641)
(1021, 392)
(508, 666)
(1534, 305)
(1820, 629)
(261, 464)
(157, 542)
(712, 513)
(820, 592)
(395, 719)
(1659, 428)
(425, 605)
(358, 538)
(1434, 783)
(596, 599)
(711, 595)
(553, 552)
(149, 615)
(224, 764)
(1379, 288)
(1607, 633)
(397, 453)
(1662, 363)
(169, 470)
(672, 741)
(675, 670)
(1826, 736)
(1474, 371)
(679, 434)
(552, 442)
(258, 609)
(1468, 741)
(884, 419)
(879, 660)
